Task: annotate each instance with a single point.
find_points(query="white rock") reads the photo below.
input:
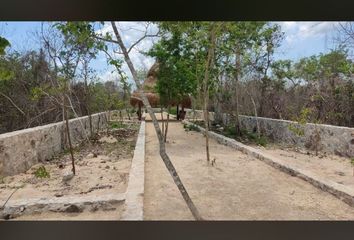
(68, 176)
(90, 155)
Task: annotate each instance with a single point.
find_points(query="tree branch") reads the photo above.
(13, 103)
(163, 153)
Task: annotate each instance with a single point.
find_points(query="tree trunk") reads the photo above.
(68, 134)
(90, 122)
(237, 75)
(218, 113)
(255, 113)
(168, 118)
(77, 116)
(121, 116)
(87, 105)
(177, 111)
(163, 154)
(193, 108)
(209, 65)
(126, 109)
(162, 123)
(139, 112)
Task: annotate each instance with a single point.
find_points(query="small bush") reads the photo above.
(191, 128)
(117, 125)
(66, 151)
(230, 131)
(173, 111)
(41, 172)
(352, 161)
(262, 141)
(298, 130)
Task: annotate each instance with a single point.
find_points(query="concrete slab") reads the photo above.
(15, 208)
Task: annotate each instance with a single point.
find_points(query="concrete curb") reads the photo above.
(134, 203)
(342, 192)
(15, 208)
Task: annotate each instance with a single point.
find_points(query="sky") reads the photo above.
(301, 39)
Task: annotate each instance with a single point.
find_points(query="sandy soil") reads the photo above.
(239, 187)
(105, 173)
(334, 168)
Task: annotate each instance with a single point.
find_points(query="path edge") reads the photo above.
(134, 202)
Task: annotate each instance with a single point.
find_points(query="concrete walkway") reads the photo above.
(239, 187)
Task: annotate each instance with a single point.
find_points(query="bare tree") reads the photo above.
(209, 64)
(162, 147)
(65, 61)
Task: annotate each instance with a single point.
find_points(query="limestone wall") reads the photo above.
(332, 139)
(19, 150)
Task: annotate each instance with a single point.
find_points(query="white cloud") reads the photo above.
(311, 29)
(302, 35)
(303, 30)
(287, 25)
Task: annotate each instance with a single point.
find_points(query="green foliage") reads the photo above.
(262, 141)
(283, 70)
(41, 172)
(81, 35)
(173, 111)
(191, 127)
(324, 66)
(36, 93)
(230, 131)
(298, 130)
(304, 117)
(176, 75)
(352, 161)
(107, 96)
(114, 125)
(4, 43)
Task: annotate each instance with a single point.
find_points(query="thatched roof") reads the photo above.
(150, 92)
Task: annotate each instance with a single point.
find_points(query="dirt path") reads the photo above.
(238, 188)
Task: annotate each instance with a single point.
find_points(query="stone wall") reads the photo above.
(19, 150)
(332, 139)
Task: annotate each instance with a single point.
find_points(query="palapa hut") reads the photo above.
(148, 87)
